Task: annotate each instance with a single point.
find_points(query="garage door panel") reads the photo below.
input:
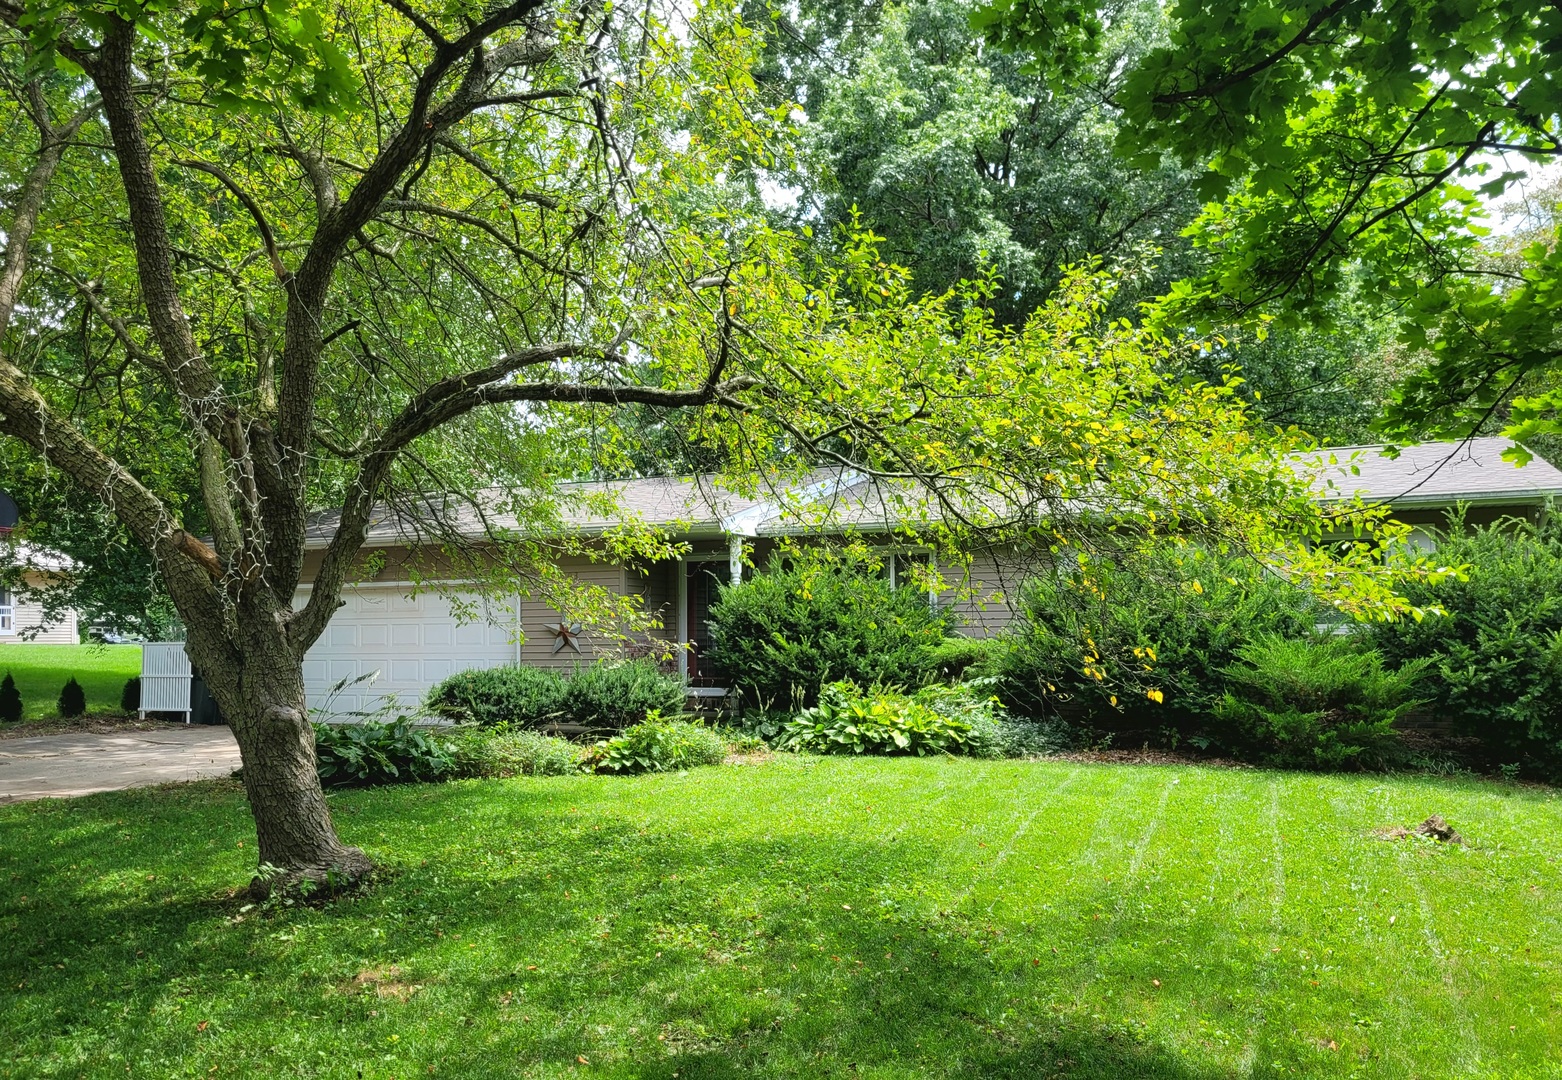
(410, 642)
(435, 670)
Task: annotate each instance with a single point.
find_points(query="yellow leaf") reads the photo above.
(1155, 696)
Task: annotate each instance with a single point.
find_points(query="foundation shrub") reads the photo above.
(821, 617)
(1315, 702)
(1136, 648)
(606, 696)
(1496, 655)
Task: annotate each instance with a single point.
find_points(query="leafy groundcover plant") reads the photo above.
(379, 753)
(498, 752)
(657, 745)
(937, 720)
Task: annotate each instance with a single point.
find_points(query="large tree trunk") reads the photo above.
(261, 695)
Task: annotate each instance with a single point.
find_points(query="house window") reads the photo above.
(7, 612)
(909, 570)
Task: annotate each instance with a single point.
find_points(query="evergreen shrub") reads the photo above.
(73, 699)
(1138, 647)
(606, 696)
(10, 700)
(1496, 655)
(1315, 702)
(821, 617)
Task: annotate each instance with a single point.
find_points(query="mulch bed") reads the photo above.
(91, 724)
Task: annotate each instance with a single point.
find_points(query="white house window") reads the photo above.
(7, 613)
(909, 570)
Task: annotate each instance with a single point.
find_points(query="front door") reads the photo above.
(701, 583)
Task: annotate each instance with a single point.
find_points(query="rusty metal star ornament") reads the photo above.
(564, 634)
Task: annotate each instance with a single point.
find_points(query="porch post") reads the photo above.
(735, 559)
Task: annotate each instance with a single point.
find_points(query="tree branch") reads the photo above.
(266, 236)
(1225, 82)
(442, 403)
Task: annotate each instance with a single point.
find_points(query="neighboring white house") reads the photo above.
(22, 620)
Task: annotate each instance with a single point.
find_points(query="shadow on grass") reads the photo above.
(529, 926)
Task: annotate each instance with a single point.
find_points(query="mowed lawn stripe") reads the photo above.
(803, 918)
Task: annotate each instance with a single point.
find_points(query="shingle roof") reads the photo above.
(1431, 474)
(19, 553)
(693, 505)
(1434, 474)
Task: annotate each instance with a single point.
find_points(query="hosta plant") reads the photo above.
(657, 745)
(847, 721)
(379, 753)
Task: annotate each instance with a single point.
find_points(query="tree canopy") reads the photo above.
(1338, 137)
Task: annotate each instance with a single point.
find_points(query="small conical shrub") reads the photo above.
(130, 696)
(73, 699)
(10, 699)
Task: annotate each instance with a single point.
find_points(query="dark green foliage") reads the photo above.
(130, 696)
(388, 753)
(658, 745)
(498, 752)
(1164, 623)
(957, 657)
(73, 699)
(10, 700)
(614, 694)
(606, 696)
(1497, 654)
(1315, 702)
(787, 632)
(519, 696)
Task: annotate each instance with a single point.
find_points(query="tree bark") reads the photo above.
(261, 695)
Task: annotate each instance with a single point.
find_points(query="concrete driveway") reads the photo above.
(59, 766)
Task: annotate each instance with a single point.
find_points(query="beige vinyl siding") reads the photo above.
(537, 649)
(29, 626)
(657, 587)
(984, 603)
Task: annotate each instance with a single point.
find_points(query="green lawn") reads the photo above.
(41, 670)
(803, 918)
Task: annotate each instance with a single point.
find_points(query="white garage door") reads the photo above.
(398, 645)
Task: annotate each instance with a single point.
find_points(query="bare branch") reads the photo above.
(426, 28)
(266, 236)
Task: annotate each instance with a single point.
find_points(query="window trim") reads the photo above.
(889, 555)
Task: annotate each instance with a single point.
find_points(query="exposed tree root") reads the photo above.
(348, 872)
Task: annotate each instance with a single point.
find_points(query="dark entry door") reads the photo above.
(703, 579)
